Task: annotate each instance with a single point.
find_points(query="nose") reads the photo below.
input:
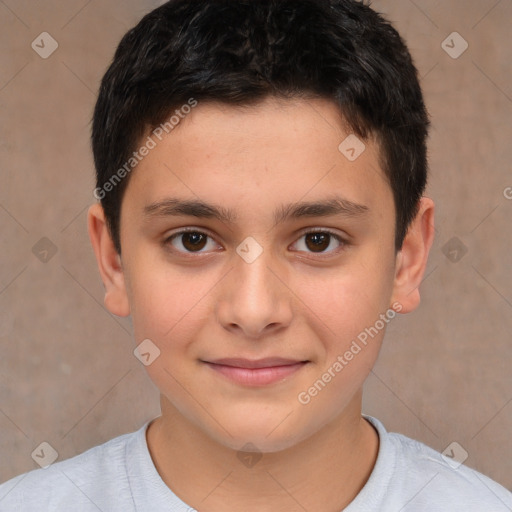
(254, 299)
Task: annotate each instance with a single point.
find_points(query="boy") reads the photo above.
(260, 166)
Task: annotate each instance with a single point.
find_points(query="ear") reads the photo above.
(411, 260)
(109, 262)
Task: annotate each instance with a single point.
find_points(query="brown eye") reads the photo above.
(189, 241)
(319, 242)
(193, 241)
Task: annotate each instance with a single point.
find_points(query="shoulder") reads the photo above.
(428, 480)
(85, 482)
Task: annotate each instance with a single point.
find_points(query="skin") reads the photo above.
(293, 301)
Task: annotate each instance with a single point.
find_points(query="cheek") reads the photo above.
(347, 322)
(166, 303)
(347, 301)
(166, 308)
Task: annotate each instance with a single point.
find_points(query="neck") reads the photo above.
(324, 472)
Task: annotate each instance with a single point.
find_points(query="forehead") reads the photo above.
(250, 159)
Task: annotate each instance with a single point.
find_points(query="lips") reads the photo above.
(256, 372)
(267, 362)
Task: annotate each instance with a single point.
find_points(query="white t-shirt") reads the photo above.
(119, 476)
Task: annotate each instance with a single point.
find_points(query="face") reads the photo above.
(258, 299)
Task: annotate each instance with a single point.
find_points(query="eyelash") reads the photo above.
(343, 242)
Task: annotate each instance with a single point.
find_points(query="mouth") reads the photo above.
(256, 372)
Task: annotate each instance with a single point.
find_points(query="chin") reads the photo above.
(262, 436)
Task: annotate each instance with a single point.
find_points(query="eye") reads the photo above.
(319, 241)
(191, 241)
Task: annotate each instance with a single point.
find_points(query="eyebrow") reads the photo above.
(332, 206)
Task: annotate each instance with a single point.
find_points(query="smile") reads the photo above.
(256, 372)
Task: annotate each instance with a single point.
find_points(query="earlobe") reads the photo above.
(109, 262)
(412, 257)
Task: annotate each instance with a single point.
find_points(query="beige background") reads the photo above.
(67, 372)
